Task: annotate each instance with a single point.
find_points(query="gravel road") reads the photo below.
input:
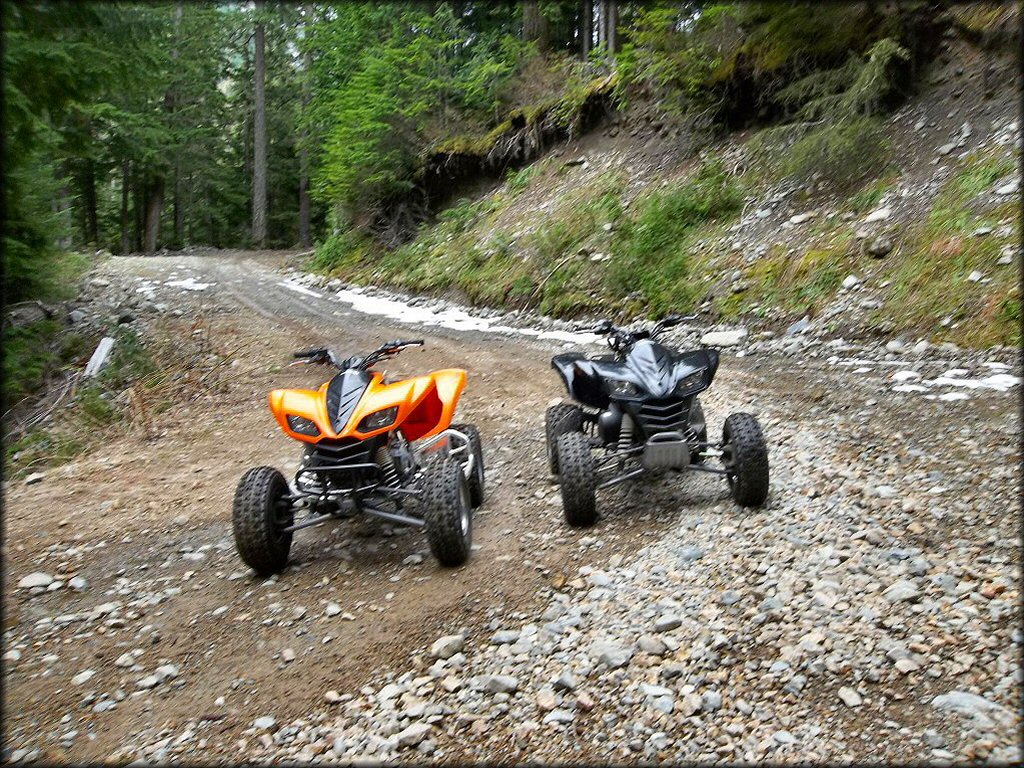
(869, 612)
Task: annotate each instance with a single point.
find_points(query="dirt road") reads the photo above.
(186, 648)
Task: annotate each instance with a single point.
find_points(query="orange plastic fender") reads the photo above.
(308, 403)
(424, 406)
(449, 382)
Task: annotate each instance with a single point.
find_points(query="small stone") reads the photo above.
(288, 655)
(332, 697)
(78, 584)
(975, 276)
(902, 591)
(497, 683)
(546, 699)
(413, 734)
(332, 609)
(611, 654)
(1009, 189)
(35, 477)
(12, 655)
(559, 716)
(264, 723)
(730, 597)
(711, 701)
(880, 247)
(148, 682)
(651, 645)
(784, 737)
(505, 636)
(878, 215)
(667, 622)
(446, 647)
(124, 660)
(905, 666)
(850, 697)
(565, 682)
(82, 677)
(945, 149)
(850, 281)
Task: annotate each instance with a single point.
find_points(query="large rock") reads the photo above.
(965, 703)
(724, 338)
(446, 647)
(37, 579)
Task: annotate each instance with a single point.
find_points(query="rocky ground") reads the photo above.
(869, 612)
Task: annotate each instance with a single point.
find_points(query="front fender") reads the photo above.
(581, 379)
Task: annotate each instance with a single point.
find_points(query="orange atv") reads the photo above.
(360, 457)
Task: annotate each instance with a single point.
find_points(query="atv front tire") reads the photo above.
(448, 511)
(578, 479)
(476, 477)
(745, 456)
(259, 513)
(560, 419)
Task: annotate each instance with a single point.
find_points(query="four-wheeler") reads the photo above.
(639, 413)
(386, 449)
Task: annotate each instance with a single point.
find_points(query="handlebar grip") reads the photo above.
(405, 343)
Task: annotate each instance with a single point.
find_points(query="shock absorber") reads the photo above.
(387, 465)
(625, 434)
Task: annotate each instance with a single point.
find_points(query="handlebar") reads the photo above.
(621, 338)
(324, 356)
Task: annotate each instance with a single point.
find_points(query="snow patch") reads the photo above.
(453, 318)
(189, 284)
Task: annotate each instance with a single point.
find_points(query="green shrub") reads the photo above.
(650, 248)
(844, 154)
(30, 357)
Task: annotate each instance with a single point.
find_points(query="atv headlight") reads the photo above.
(622, 388)
(690, 382)
(378, 419)
(303, 426)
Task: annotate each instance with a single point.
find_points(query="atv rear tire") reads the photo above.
(559, 420)
(699, 426)
(259, 513)
(447, 511)
(745, 456)
(476, 477)
(578, 479)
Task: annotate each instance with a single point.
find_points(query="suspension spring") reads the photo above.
(625, 434)
(387, 465)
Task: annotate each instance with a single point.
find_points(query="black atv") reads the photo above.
(639, 413)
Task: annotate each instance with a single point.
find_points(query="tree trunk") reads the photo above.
(154, 207)
(89, 194)
(125, 221)
(247, 120)
(179, 211)
(138, 209)
(259, 164)
(304, 239)
(535, 26)
(613, 26)
(608, 19)
(587, 28)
